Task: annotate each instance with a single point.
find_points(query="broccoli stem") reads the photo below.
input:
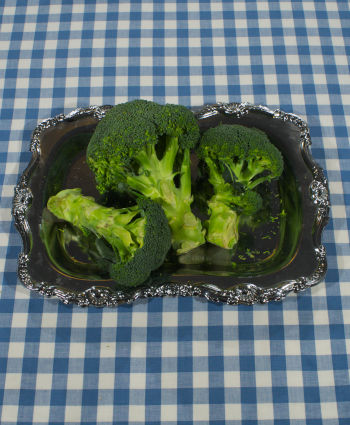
(222, 226)
(171, 150)
(113, 225)
(187, 232)
(215, 177)
(185, 176)
(256, 182)
(226, 208)
(156, 181)
(245, 171)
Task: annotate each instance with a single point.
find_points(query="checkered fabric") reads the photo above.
(177, 360)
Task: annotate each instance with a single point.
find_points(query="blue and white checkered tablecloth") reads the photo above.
(177, 360)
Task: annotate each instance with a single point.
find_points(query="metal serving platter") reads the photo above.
(284, 255)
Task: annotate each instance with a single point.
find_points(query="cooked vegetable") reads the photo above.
(237, 160)
(139, 236)
(144, 148)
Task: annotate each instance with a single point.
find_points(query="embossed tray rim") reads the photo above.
(243, 293)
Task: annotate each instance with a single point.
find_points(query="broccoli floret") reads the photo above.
(139, 236)
(144, 147)
(246, 154)
(237, 159)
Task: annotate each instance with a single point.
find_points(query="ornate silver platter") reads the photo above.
(286, 256)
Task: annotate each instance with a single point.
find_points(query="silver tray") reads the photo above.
(299, 259)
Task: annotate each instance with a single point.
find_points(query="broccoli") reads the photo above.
(246, 154)
(225, 208)
(139, 236)
(144, 148)
(237, 160)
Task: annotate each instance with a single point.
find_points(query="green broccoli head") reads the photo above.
(126, 130)
(245, 154)
(139, 236)
(179, 122)
(144, 148)
(247, 203)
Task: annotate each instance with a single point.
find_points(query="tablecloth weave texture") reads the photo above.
(177, 360)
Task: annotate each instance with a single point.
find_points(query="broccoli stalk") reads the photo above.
(222, 226)
(235, 156)
(117, 227)
(139, 235)
(157, 183)
(226, 207)
(144, 148)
